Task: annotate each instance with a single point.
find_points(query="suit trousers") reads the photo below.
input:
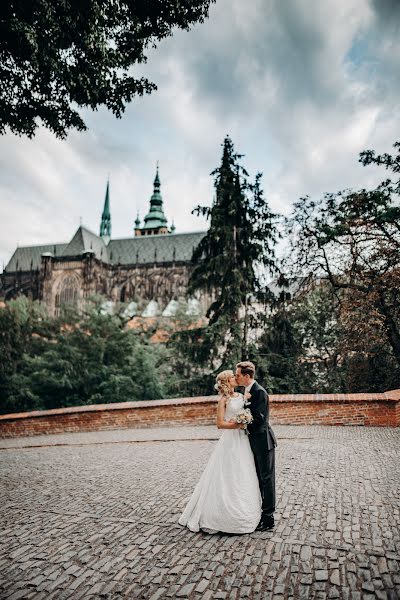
(265, 466)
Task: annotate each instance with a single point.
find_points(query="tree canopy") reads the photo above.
(352, 239)
(75, 359)
(229, 264)
(56, 57)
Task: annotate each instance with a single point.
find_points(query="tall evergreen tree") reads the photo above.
(229, 264)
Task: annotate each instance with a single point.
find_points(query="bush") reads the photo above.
(73, 360)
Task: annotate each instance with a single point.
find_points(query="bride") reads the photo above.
(227, 496)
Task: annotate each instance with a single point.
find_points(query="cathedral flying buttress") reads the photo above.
(148, 271)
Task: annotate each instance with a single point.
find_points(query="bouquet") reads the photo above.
(245, 417)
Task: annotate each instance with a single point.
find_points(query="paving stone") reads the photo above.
(334, 576)
(158, 594)
(18, 595)
(96, 518)
(202, 586)
(368, 586)
(185, 591)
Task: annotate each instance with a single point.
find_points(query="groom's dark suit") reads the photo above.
(263, 442)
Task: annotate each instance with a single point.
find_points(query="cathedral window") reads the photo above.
(68, 294)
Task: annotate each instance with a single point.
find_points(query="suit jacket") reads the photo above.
(259, 408)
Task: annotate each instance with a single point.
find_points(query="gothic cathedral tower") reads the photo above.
(155, 222)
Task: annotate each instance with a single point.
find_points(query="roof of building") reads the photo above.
(149, 248)
(28, 257)
(84, 241)
(141, 249)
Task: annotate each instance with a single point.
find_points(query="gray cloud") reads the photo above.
(388, 11)
(301, 87)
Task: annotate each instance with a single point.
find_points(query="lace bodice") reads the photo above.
(233, 407)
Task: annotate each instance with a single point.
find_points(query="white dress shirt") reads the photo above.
(248, 387)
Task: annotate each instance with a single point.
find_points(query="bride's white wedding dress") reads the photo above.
(227, 496)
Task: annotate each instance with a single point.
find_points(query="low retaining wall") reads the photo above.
(337, 409)
(292, 409)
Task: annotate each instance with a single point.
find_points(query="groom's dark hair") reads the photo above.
(246, 368)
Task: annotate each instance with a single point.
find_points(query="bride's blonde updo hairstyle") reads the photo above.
(223, 386)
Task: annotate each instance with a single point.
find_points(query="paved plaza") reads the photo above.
(94, 515)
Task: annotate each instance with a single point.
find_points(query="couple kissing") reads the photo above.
(236, 491)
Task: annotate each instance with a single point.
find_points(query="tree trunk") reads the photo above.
(245, 329)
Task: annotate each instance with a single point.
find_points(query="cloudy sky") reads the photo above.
(301, 86)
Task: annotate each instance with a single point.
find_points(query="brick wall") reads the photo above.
(294, 409)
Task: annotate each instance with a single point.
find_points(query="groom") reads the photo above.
(262, 441)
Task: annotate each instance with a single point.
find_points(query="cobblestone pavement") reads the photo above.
(94, 515)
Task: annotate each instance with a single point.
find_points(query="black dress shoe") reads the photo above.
(266, 523)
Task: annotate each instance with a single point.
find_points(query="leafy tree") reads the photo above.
(277, 354)
(56, 57)
(352, 239)
(23, 326)
(308, 346)
(317, 325)
(12, 343)
(298, 350)
(74, 359)
(370, 363)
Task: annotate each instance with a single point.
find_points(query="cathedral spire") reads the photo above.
(155, 221)
(105, 225)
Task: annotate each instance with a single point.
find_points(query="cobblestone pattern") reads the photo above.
(97, 518)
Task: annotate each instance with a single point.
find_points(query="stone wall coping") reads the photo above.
(389, 396)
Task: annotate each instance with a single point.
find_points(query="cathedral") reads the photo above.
(148, 271)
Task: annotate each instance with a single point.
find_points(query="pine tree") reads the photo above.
(229, 264)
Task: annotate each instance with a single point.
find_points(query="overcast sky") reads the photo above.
(301, 86)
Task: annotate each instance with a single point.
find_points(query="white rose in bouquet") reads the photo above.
(245, 417)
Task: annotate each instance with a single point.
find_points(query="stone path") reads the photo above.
(94, 515)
